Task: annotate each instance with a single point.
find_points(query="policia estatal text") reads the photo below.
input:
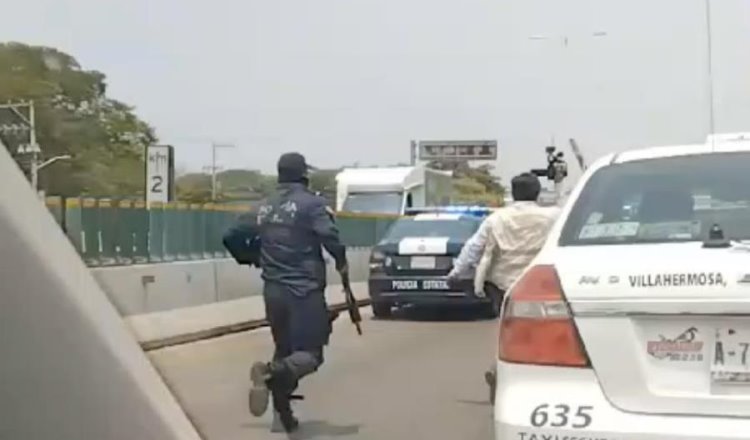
(284, 236)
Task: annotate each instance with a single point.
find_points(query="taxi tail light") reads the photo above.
(537, 326)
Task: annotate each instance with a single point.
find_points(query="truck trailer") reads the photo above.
(392, 190)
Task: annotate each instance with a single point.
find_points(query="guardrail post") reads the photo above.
(182, 231)
(108, 232)
(126, 231)
(141, 232)
(74, 225)
(156, 232)
(209, 235)
(91, 244)
(197, 231)
(171, 231)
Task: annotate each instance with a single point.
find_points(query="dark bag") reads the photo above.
(244, 250)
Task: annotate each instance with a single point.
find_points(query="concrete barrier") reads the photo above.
(234, 281)
(70, 368)
(149, 288)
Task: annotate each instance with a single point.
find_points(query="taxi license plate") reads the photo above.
(730, 360)
(423, 263)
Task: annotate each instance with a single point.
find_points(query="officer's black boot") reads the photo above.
(281, 384)
(286, 423)
(491, 378)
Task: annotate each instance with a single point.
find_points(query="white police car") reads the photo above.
(633, 322)
(410, 264)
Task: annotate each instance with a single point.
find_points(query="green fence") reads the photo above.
(119, 232)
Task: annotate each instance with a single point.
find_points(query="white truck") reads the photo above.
(392, 190)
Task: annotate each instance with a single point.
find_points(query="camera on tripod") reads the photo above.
(557, 168)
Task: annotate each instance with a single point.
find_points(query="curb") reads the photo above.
(224, 330)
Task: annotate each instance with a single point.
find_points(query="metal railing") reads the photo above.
(110, 232)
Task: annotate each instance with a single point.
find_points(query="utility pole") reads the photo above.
(32, 147)
(28, 124)
(213, 172)
(413, 153)
(214, 168)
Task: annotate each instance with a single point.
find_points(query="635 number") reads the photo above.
(561, 415)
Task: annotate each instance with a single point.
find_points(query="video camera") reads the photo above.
(557, 168)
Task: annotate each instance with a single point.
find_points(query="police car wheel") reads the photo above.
(381, 310)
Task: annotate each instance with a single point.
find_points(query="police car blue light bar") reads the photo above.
(475, 211)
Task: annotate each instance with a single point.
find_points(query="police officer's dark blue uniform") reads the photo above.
(291, 227)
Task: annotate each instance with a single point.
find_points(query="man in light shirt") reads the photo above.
(506, 243)
(509, 239)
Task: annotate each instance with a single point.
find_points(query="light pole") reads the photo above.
(709, 55)
(36, 167)
(564, 40)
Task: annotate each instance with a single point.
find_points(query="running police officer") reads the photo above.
(291, 228)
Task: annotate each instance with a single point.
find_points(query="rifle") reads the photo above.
(351, 303)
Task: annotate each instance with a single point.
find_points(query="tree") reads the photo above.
(483, 175)
(324, 182)
(245, 185)
(231, 185)
(74, 116)
(473, 184)
(193, 188)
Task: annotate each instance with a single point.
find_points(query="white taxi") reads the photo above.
(633, 322)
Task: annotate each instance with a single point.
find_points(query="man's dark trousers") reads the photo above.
(300, 327)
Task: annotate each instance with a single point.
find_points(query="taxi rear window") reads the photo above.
(663, 200)
(461, 229)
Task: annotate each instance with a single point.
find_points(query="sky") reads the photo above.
(353, 81)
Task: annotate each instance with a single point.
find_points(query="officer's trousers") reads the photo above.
(300, 327)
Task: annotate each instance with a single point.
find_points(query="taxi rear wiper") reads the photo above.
(716, 239)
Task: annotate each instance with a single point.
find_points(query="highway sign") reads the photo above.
(457, 150)
(159, 174)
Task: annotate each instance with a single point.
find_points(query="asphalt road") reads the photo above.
(417, 376)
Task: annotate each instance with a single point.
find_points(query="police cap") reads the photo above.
(292, 167)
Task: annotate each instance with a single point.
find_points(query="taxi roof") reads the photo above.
(717, 143)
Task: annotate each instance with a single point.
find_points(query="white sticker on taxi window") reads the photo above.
(594, 218)
(620, 229)
(670, 230)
